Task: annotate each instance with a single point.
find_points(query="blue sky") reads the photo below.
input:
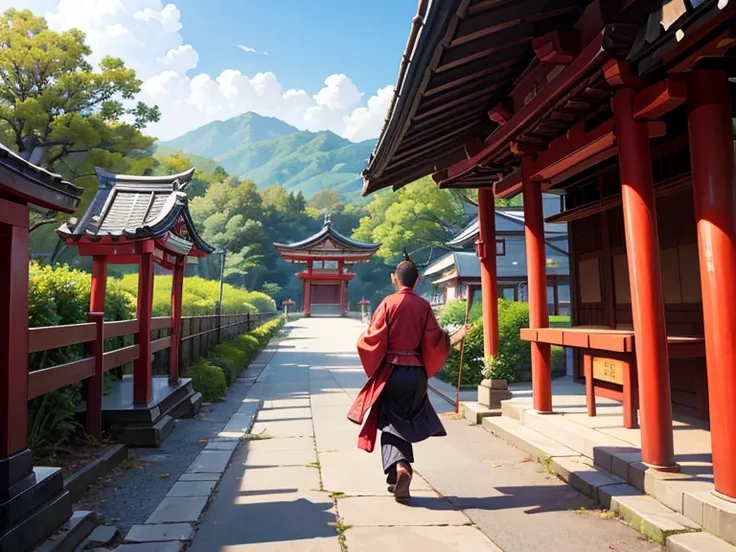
(307, 40)
(332, 64)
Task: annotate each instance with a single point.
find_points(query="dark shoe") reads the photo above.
(391, 488)
(403, 482)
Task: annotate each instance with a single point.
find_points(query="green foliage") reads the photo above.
(513, 361)
(208, 379)
(200, 296)
(418, 217)
(230, 358)
(453, 313)
(58, 110)
(559, 321)
(212, 376)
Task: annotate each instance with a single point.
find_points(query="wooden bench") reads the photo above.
(609, 361)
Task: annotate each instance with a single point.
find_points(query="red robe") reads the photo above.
(403, 331)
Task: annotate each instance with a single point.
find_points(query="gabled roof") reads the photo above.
(21, 180)
(507, 221)
(133, 208)
(328, 232)
(465, 265)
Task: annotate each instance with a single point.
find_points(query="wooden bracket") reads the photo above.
(618, 74)
(657, 100)
(502, 112)
(558, 47)
(525, 148)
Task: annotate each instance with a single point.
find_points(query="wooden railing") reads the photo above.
(198, 335)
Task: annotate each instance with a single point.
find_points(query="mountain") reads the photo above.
(269, 151)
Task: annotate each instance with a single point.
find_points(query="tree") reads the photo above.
(326, 200)
(201, 181)
(419, 217)
(58, 112)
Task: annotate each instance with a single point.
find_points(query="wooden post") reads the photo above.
(647, 300)
(177, 288)
(16, 461)
(537, 286)
(712, 158)
(343, 301)
(96, 384)
(486, 250)
(99, 284)
(142, 370)
(307, 298)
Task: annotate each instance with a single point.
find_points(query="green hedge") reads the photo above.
(213, 375)
(513, 361)
(60, 296)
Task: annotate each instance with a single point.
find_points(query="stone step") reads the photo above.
(475, 412)
(72, 534)
(147, 435)
(514, 408)
(38, 525)
(650, 517)
(526, 439)
(697, 542)
(187, 407)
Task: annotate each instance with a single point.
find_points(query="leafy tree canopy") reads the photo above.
(59, 112)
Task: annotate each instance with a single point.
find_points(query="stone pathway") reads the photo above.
(303, 486)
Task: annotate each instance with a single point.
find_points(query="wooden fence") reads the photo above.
(198, 335)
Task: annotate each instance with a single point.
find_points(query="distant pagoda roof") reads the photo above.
(21, 180)
(508, 221)
(130, 208)
(328, 242)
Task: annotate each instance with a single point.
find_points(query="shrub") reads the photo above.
(230, 358)
(453, 313)
(513, 361)
(208, 380)
(261, 301)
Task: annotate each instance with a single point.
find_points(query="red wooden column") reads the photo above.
(307, 297)
(96, 384)
(647, 300)
(177, 289)
(142, 369)
(16, 461)
(99, 284)
(486, 245)
(711, 153)
(342, 298)
(537, 282)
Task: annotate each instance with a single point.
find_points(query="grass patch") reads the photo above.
(546, 465)
(315, 465)
(337, 495)
(257, 436)
(130, 463)
(459, 415)
(341, 527)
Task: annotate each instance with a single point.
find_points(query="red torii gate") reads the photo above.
(46, 505)
(140, 220)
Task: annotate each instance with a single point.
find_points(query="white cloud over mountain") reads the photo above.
(146, 35)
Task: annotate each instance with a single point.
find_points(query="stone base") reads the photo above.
(73, 534)
(475, 412)
(37, 507)
(492, 392)
(147, 425)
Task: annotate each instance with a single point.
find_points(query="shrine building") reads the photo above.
(623, 108)
(328, 255)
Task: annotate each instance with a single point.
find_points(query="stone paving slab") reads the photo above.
(277, 404)
(426, 539)
(192, 488)
(423, 509)
(210, 461)
(276, 458)
(178, 510)
(151, 547)
(222, 445)
(285, 444)
(285, 414)
(200, 477)
(160, 532)
(284, 478)
(357, 473)
(295, 428)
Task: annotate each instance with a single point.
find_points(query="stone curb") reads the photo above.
(173, 523)
(81, 480)
(643, 513)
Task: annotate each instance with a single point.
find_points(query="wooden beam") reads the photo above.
(657, 100)
(473, 146)
(502, 112)
(619, 73)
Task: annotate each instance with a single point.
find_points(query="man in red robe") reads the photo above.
(403, 347)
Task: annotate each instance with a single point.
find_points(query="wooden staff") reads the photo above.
(471, 295)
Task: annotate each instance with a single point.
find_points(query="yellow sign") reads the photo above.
(608, 369)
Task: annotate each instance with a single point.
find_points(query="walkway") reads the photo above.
(303, 486)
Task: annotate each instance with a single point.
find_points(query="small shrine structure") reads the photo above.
(327, 256)
(33, 501)
(140, 220)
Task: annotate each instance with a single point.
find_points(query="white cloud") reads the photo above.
(250, 50)
(146, 35)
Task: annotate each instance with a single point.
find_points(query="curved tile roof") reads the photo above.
(328, 232)
(129, 207)
(28, 182)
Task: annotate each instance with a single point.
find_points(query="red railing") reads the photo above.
(198, 335)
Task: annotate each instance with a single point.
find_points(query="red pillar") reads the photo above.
(96, 384)
(712, 158)
(647, 300)
(487, 254)
(15, 458)
(177, 288)
(536, 266)
(142, 369)
(307, 298)
(342, 298)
